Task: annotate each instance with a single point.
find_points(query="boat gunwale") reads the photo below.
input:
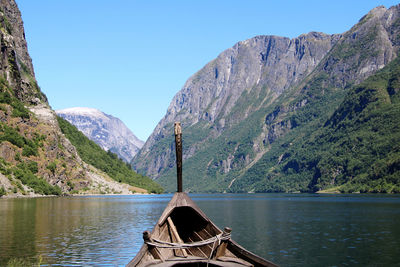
(181, 199)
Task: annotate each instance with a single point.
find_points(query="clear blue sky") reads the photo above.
(129, 58)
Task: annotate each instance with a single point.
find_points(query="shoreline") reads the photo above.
(147, 194)
(71, 195)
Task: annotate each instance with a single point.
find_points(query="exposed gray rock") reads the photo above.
(15, 62)
(365, 48)
(264, 62)
(266, 79)
(107, 131)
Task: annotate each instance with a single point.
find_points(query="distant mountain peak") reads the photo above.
(83, 111)
(107, 131)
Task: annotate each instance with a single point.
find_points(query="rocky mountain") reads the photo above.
(105, 130)
(36, 158)
(258, 99)
(263, 67)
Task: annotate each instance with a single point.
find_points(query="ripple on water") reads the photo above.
(100, 231)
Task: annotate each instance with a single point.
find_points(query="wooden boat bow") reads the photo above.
(184, 235)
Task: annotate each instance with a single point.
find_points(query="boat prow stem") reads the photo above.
(178, 149)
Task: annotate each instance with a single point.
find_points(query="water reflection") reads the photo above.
(17, 224)
(96, 230)
(312, 230)
(291, 230)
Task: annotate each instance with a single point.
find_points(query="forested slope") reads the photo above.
(108, 162)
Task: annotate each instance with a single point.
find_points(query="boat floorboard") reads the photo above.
(198, 261)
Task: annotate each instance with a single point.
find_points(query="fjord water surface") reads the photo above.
(288, 229)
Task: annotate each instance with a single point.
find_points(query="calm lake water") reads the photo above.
(288, 229)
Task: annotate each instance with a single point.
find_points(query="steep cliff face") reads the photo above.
(264, 67)
(15, 63)
(35, 157)
(270, 61)
(107, 131)
(242, 111)
(365, 48)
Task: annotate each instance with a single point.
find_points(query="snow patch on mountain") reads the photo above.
(82, 111)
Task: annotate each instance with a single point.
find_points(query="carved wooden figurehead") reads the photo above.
(178, 148)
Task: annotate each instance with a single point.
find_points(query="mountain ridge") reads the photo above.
(270, 52)
(106, 130)
(221, 160)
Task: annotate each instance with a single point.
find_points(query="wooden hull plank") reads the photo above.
(183, 222)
